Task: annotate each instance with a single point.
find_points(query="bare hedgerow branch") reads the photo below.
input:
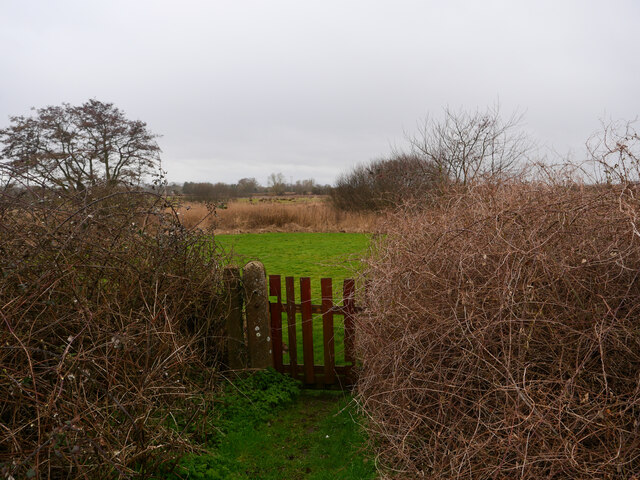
(109, 318)
(500, 335)
(615, 153)
(468, 146)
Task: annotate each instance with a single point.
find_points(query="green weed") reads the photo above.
(244, 403)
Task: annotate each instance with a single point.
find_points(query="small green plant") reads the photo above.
(210, 466)
(254, 399)
(244, 404)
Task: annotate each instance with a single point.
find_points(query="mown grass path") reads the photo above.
(318, 435)
(264, 427)
(317, 438)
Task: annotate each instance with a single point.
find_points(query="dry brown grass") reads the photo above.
(245, 217)
(501, 336)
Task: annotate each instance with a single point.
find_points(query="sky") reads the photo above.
(310, 88)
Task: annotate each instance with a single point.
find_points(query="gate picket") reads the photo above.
(327, 331)
(275, 289)
(291, 323)
(328, 374)
(307, 329)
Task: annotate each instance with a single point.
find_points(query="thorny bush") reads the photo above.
(501, 339)
(107, 307)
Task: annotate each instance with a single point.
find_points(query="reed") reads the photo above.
(298, 216)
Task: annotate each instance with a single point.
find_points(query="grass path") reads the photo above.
(315, 438)
(265, 428)
(318, 435)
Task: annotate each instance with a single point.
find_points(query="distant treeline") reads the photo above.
(246, 187)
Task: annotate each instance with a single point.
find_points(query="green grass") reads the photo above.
(315, 255)
(269, 430)
(316, 438)
(264, 427)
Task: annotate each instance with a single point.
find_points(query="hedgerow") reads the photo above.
(500, 337)
(110, 329)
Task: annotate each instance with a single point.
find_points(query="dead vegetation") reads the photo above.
(500, 337)
(107, 306)
(280, 215)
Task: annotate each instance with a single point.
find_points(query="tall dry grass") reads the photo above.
(244, 217)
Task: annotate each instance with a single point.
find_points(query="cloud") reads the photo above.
(244, 88)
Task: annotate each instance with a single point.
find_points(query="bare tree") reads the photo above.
(72, 147)
(277, 183)
(466, 146)
(304, 187)
(615, 152)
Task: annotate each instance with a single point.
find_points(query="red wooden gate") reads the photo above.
(333, 372)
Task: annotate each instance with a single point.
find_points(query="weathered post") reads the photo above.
(258, 318)
(236, 346)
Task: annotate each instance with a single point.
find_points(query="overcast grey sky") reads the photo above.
(308, 88)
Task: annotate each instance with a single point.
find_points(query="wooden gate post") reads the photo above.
(236, 346)
(258, 318)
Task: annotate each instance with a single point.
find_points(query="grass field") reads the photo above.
(315, 255)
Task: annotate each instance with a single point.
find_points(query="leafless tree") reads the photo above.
(247, 186)
(466, 146)
(73, 147)
(277, 183)
(615, 152)
(303, 187)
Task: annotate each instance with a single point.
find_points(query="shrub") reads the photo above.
(385, 183)
(209, 192)
(500, 337)
(107, 305)
(463, 148)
